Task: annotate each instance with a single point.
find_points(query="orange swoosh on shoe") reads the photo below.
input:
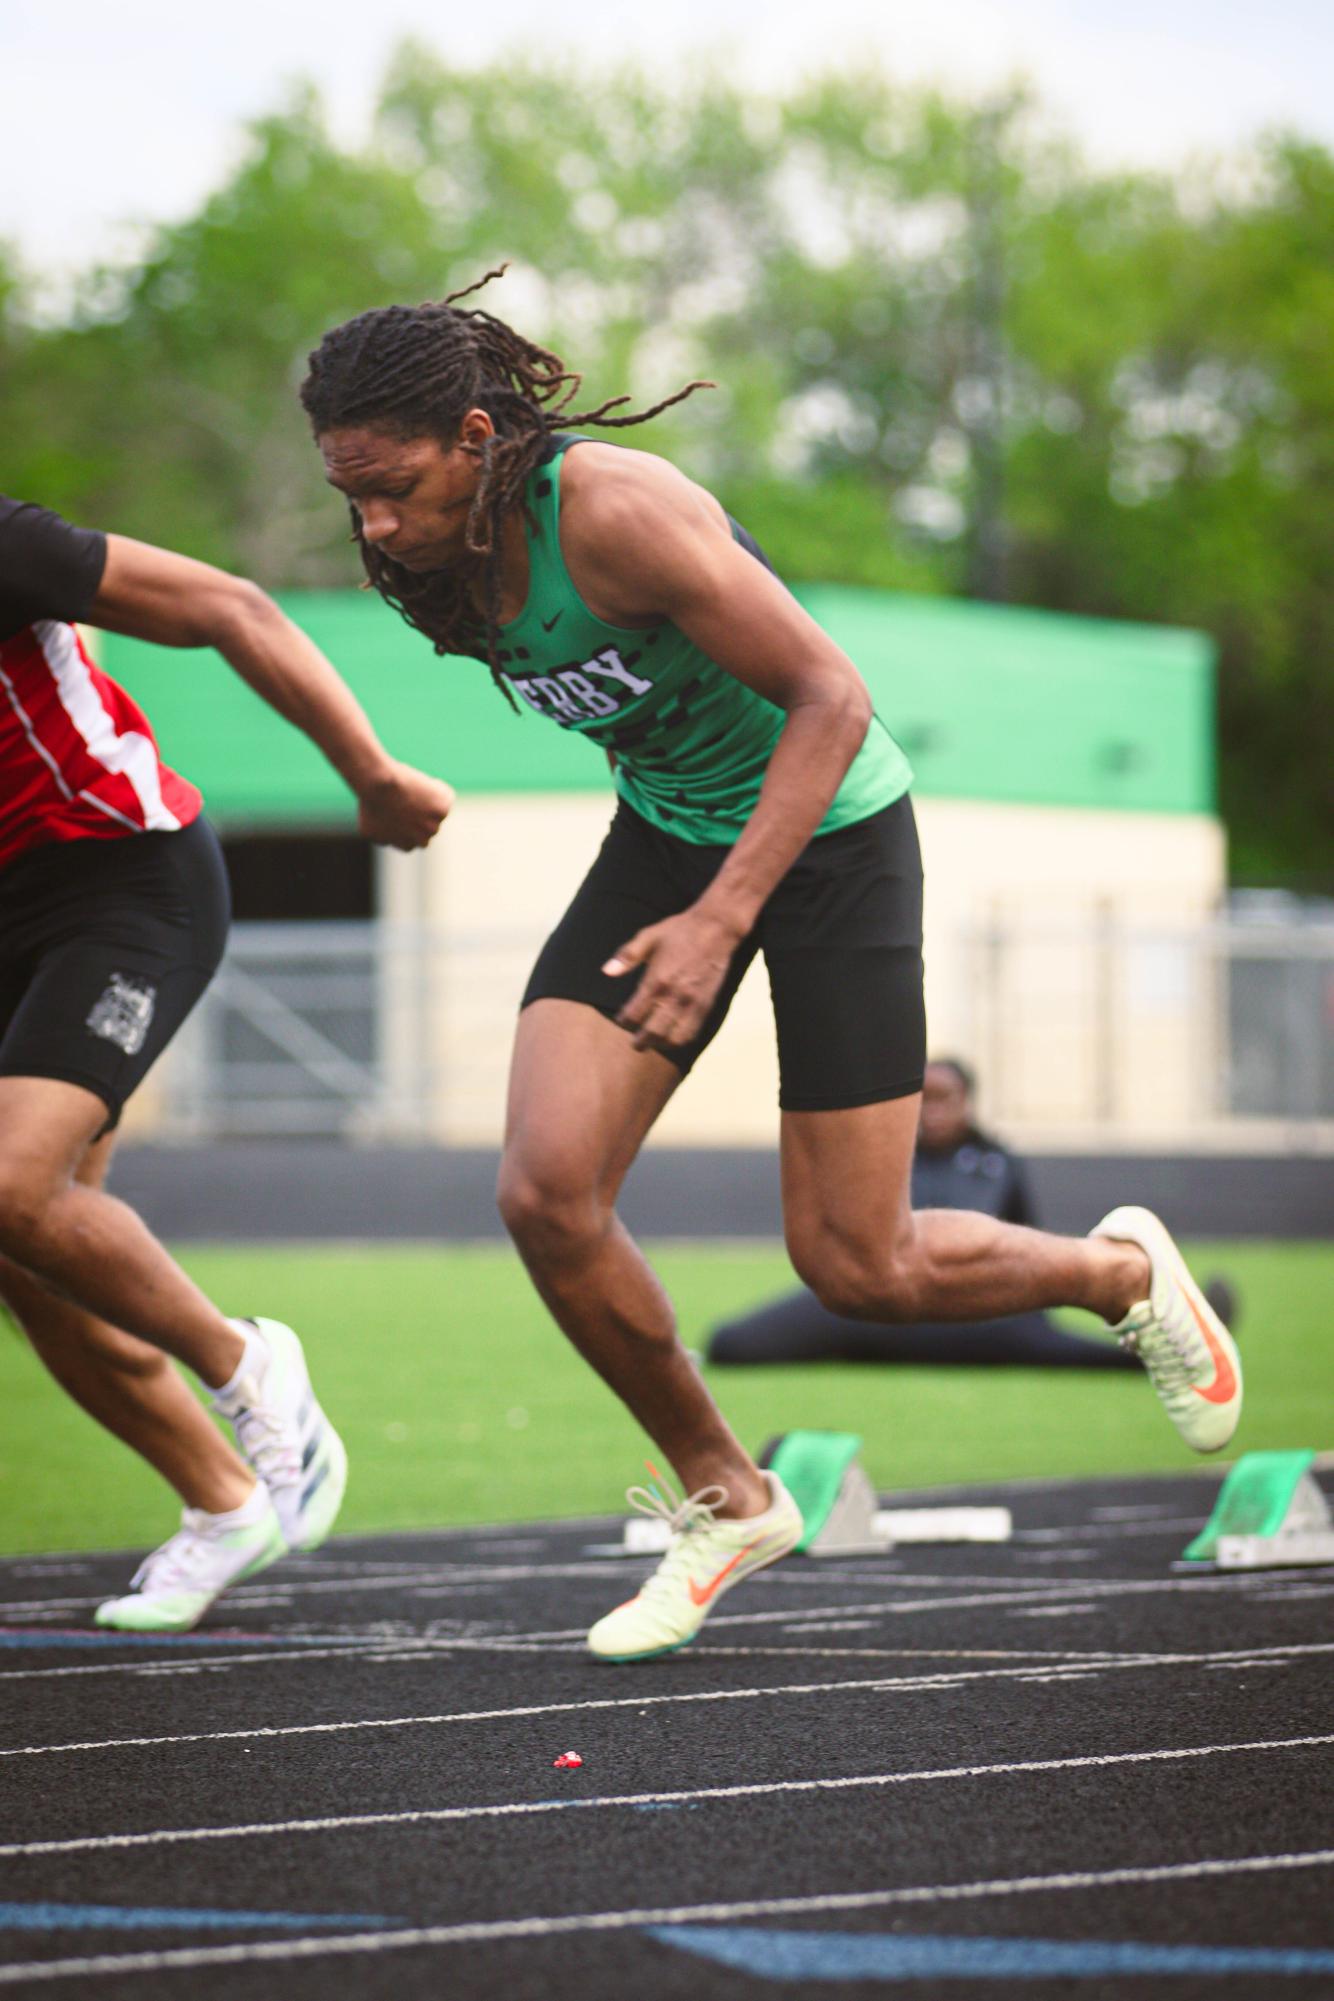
(699, 1597)
(1224, 1385)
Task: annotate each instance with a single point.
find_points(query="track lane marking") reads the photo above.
(1106, 1531)
(990, 1590)
(444, 1578)
(878, 1684)
(759, 1789)
(495, 1930)
(356, 1647)
(1244, 1584)
(447, 1576)
(167, 1664)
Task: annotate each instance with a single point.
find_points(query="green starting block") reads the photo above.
(1270, 1513)
(824, 1476)
(821, 1471)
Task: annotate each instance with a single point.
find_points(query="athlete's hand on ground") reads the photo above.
(404, 808)
(685, 961)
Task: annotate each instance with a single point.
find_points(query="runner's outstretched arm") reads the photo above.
(151, 593)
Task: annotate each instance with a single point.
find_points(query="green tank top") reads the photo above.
(691, 743)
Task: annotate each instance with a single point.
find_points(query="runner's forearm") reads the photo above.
(288, 671)
(172, 600)
(818, 743)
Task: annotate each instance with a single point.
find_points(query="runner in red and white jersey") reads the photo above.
(77, 756)
(113, 914)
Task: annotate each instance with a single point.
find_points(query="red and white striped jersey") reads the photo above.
(78, 759)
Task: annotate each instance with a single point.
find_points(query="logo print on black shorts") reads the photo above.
(124, 1013)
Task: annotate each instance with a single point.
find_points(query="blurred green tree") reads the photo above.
(950, 356)
(167, 405)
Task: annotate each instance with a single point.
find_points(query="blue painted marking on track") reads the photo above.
(123, 1918)
(788, 1955)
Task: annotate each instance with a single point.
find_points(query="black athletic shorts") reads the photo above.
(841, 936)
(105, 946)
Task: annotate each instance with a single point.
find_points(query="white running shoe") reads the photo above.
(174, 1587)
(1188, 1352)
(284, 1434)
(707, 1555)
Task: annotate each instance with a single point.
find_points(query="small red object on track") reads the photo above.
(567, 1761)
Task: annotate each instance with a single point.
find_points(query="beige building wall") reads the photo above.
(1055, 956)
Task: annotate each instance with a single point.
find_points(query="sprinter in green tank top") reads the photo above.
(691, 743)
(762, 806)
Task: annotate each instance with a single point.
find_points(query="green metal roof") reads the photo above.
(990, 702)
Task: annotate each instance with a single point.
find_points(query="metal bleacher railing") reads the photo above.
(378, 1031)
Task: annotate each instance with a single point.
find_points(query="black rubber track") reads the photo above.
(931, 1737)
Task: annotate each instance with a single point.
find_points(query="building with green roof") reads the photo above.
(1065, 794)
(991, 702)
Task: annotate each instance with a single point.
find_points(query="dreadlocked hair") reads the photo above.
(417, 371)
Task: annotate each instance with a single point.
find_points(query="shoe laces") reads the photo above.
(1166, 1351)
(685, 1516)
(267, 1442)
(177, 1560)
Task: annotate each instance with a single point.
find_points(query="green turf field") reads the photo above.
(461, 1403)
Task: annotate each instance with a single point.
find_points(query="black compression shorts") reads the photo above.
(105, 946)
(841, 936)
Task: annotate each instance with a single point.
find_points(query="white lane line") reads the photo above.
(457, 1716)
(388, 1652)
(1139, 1512)
(423, 1646)
(875, 1685)
(947, 1653)
(173, 1663)
(1037, 1666)
(354, 1648)
(1042, 1664)
(1244, 1584)
(1071, 1611)
(991, 1591)
(821, 1577)
(486, 1932)
(1057, 1655)
(446, 1578)
(378, 1649)
(1109, 1531)
(1051, 1590)
(527, 1809)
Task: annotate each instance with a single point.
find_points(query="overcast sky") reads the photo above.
(126, 113)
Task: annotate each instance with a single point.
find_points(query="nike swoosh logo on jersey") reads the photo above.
(1224, 1385)
(549, 623)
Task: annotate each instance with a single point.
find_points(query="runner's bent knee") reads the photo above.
(68, 1346)
(860, 1281)
(550, 1212)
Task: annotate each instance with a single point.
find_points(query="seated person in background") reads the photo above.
(956, 1166)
